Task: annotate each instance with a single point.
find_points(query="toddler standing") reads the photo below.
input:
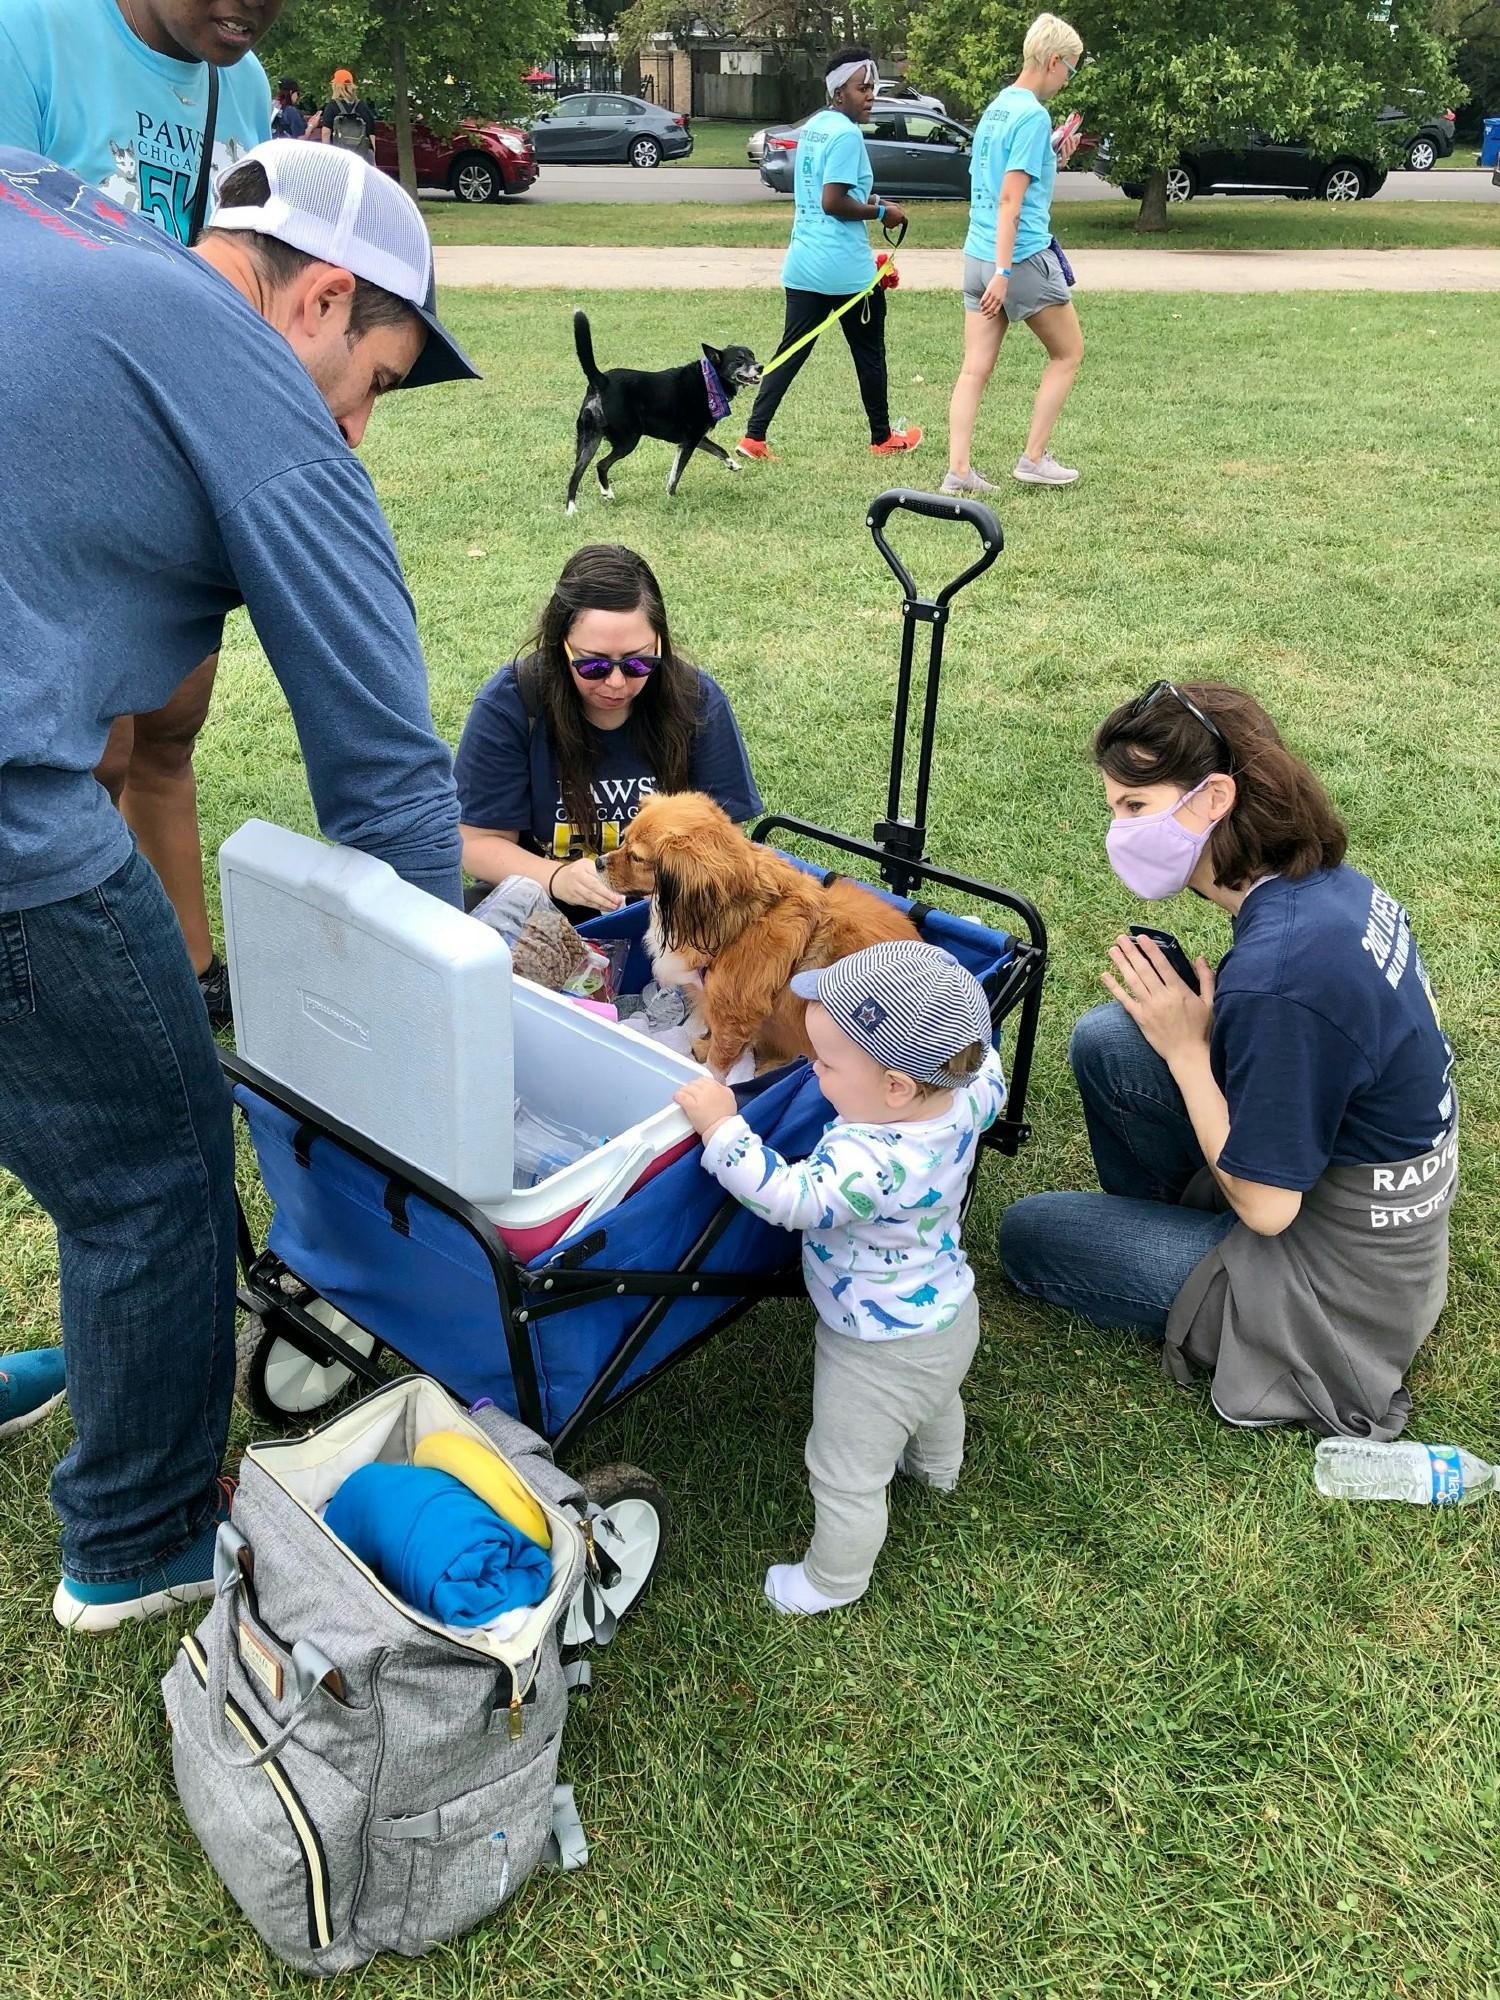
(902, 1039)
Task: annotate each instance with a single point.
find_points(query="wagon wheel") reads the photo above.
(632, 1522)
(283, 1385)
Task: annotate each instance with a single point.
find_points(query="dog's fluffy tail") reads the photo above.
(584, 342)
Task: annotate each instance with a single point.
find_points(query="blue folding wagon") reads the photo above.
(376, 1067)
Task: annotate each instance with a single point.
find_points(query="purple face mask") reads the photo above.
(1155, 854)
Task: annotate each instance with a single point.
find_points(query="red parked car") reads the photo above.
(477, 163)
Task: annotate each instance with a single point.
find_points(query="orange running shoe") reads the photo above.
(906, 440)
(755, 448)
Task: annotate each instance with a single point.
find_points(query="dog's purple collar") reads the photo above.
(718, 402)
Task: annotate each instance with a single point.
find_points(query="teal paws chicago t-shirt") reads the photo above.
(79, 87)
(1014, 135)
(827, 254)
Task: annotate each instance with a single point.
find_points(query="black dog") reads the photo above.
(627, 404)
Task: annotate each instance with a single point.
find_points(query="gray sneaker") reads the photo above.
(972, 482)
(1044, 471)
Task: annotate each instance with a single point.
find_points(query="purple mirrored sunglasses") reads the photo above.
(599, 667)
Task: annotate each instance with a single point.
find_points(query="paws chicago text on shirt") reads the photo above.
(155, 170)
(618, 801)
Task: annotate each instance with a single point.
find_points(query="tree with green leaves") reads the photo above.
(1168, 74)
(1475, 26)
(786, 27)
(442, 59)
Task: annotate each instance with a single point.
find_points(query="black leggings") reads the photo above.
(864, 329)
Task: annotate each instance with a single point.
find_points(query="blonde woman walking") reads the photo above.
(1011, 270)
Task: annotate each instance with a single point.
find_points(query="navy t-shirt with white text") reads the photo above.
(507, 774)
(1326, 1040)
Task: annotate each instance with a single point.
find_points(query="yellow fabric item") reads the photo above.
(485, 1473)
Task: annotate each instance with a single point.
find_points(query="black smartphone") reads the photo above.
(1171, 951)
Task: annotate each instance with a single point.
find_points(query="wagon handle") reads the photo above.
(903, 838)
(936, 507)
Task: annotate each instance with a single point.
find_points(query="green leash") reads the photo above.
(838, 311)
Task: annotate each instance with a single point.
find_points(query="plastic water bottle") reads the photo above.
(1427, 1475)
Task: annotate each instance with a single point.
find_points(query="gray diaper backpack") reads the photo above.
(365, 1780)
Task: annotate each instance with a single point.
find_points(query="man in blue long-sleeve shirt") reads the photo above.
(179, 432)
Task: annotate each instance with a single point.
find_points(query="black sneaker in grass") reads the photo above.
(213, 984)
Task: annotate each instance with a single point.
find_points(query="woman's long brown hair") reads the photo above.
(664, 717)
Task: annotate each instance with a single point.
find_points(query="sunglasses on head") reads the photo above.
(599, 667)
(1154, 693)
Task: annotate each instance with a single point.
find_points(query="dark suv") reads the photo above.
(1432, 141)
(1253, 163)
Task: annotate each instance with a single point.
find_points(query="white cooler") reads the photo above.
(399, 1017)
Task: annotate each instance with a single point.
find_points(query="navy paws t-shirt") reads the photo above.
(507, 774)
(1326, 1041)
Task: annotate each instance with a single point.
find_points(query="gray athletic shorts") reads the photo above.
(1035, 282)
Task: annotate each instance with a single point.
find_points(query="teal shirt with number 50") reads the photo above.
(79, 87)
(826, 253)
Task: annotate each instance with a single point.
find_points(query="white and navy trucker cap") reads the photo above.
(910, 1005)
(329, 203)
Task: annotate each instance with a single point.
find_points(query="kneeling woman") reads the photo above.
(561, 748)
(1278, 1151)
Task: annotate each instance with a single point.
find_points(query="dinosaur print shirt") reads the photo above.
(878, 1207)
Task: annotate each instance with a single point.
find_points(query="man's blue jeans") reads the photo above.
(115, 1117)
(1118, 1258)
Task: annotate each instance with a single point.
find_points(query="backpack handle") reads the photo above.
(228, 1723)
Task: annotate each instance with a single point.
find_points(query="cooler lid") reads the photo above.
(381, 1005)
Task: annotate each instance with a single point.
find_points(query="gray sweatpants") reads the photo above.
(875, 1401)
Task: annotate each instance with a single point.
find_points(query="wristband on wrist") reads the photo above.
(1003, 272)
(552, 878)
(879, 209)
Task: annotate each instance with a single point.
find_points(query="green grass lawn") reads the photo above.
(720, 142)
(1211, 224)
(1134, 1714)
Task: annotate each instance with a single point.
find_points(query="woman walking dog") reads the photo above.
(1278, 1144)
(829, 259)
(1012, 272)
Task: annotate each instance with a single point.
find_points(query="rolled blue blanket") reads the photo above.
(437, 1545)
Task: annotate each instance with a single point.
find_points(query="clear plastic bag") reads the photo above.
(510, 905)
(543, 1146)
(600, 978)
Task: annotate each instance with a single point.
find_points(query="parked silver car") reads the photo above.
(604, 125)
(916, 155)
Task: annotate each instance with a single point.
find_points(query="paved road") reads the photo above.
(734, 184)
(1145, 270)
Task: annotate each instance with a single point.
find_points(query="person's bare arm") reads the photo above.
(1177, 1022)
(490, 855)
(838, 200)
(1012, 194)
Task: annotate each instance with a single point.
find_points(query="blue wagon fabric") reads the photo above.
(430, 1294)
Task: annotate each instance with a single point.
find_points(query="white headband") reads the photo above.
(837, 78)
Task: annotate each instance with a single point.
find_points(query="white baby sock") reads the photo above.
(788, 1589)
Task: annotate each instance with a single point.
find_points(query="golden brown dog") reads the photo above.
(744, 918)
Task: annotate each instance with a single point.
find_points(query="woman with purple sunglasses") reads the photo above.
(564, 746)
(1277, 1142)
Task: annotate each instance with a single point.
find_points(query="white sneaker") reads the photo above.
(972, 482)
(1044, 471)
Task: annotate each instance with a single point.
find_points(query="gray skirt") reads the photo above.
(1319, 1325)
